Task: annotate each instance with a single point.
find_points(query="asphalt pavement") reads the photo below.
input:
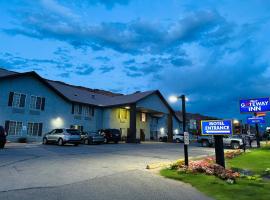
(113, 171)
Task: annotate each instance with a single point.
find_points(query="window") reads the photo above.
(77, 127)
(37, 103)
(77, 109)
(88, 110)
(34, 129)
(16, 100)
(14, 127)
(123, 114)
(143, 117)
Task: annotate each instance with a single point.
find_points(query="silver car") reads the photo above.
(62, 136)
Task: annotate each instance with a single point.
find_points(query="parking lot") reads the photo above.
(112, 171)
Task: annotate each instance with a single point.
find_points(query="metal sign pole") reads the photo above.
(219, 150)
(257, 133)
(184, 127)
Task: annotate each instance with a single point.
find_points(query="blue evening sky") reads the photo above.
(215, 52)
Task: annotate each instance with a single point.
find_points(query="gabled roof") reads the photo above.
(79, 94)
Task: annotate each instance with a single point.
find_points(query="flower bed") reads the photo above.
(209, 167)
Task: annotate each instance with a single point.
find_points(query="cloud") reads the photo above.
(134, 37)
(106, 69)
(103, 58)
(179, 62)
(84, 70)
(109, 4)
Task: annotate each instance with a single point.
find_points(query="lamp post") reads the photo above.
(184, 99)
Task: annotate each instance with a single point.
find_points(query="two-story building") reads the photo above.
(31, 106)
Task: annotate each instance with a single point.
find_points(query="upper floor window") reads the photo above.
(77, 109)
(16, 100)
(37, 103)
(85, 110)
(143, 117)
(88, 110)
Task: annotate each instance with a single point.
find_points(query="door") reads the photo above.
(142, 135)
(153, 128)
(50, 135)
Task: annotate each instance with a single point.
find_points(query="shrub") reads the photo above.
(22, 140)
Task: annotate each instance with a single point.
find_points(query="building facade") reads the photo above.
(31, 106)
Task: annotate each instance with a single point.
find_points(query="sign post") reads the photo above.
(217, 128)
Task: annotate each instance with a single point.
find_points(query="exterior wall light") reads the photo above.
(57, 122)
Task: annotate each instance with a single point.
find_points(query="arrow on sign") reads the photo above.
(218, 131)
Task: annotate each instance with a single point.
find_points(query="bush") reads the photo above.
(22, 140)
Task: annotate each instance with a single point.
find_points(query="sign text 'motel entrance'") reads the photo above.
(255, 105)
(216, 127)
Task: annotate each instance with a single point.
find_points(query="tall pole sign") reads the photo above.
(217, 128)
(255, 106)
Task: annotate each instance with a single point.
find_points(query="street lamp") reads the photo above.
(174, 99)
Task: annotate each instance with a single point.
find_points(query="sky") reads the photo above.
(215, 52)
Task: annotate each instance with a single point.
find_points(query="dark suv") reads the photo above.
(111, 135)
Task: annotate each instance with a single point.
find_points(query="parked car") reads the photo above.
(110, 135)
(63, 136)
(3, 139)
(176, 138)
(92, 138)
(233, 141)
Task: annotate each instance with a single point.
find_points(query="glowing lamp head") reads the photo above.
(173, 99)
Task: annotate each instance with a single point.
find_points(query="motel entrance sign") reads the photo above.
(217, 128)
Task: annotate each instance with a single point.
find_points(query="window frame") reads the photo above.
(18, 100)
(15, 128)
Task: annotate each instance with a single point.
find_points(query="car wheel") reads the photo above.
(235, 145)
(86, 141)
(60, 142)
(177, 140)
(160, 139)
(45, 141)
(76, 145)
(205, 143)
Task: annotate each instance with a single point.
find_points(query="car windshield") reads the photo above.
(73, 131)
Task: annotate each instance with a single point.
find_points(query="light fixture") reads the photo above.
(236, 121)
(127, 107)
(173, 98)
(162, 131)
(57, 122)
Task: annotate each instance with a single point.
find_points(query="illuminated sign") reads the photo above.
(256, 120)
(216, 127)
(255, 105)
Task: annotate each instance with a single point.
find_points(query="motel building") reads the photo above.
(31, 106)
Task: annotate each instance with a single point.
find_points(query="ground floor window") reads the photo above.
(34, 129)
(78, 127)
(14, 127)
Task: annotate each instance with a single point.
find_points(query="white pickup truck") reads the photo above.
(233, 141)
(176, 138)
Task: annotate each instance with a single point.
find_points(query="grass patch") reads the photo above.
(256, 161)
